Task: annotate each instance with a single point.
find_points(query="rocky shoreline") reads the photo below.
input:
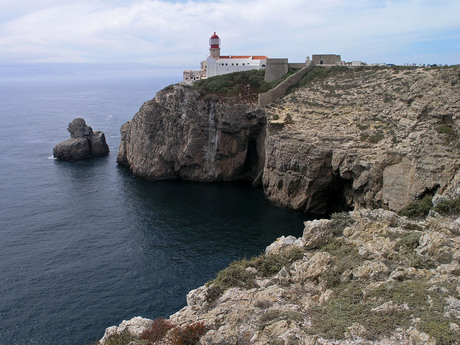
(363, 277)
(368, 141)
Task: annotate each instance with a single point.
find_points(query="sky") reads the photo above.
(173, 35)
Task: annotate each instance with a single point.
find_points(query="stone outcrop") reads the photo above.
(83, 143)
(348, 138)
(364, 137)
(368, 277)
(181, 134)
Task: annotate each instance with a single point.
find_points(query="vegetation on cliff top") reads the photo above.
(421, 208)
(242, 273)
(246, 85)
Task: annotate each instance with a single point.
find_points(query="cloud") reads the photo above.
(175, 33)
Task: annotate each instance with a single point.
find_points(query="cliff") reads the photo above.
(345, 138)
(366, 137)
(183, 134)
(364, 277)
(364, 140)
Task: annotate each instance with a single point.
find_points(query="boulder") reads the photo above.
(131, 328)
(83, 143)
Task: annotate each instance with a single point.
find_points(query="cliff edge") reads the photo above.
(183, 134)
(364, 277)
(363, 137)
(343, 139)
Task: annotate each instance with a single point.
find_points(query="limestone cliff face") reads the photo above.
(350, 138)
(364, 138)
(180, 134)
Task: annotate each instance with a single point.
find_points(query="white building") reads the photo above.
(217, 64)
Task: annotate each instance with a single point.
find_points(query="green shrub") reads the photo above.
(340, 221)
(347, 257)
(376, 137)
(238, 275)
(439, 328)
(318, 72)
(418, 209)
(409, 240)
(448, 206)
(353, 302)
(450, 133)
(247, 84)
(235, 275)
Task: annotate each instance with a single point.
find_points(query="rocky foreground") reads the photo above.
(363, 277)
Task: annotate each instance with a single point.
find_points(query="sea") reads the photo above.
(85, 245)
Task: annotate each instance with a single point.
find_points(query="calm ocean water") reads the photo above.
(84, 245)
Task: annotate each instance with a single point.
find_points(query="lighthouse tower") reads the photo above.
(214, 46)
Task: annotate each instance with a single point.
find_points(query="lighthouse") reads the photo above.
(217, 64)
(214, 46)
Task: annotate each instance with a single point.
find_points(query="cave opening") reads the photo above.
(251, 162)
(340, 195)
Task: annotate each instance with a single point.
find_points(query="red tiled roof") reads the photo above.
(242, 57)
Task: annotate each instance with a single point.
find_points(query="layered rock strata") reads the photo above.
(83, 143)
(365, 277)
(364, 137)
(181, 134)
(348, 138)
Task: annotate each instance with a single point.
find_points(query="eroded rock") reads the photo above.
(83, 143)
(180, 134)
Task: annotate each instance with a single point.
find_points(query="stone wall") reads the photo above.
(326, 59)
(279, 91)
(275, 69)
(298, 65)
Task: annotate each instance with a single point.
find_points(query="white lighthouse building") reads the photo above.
(217, 64)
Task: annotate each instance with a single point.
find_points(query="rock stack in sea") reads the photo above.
(83, 143)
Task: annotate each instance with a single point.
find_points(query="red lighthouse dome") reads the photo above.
(214, 41)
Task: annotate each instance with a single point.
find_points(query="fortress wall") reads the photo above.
(279, 91)
(275, 69)
(326, 59)
(298, 65)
